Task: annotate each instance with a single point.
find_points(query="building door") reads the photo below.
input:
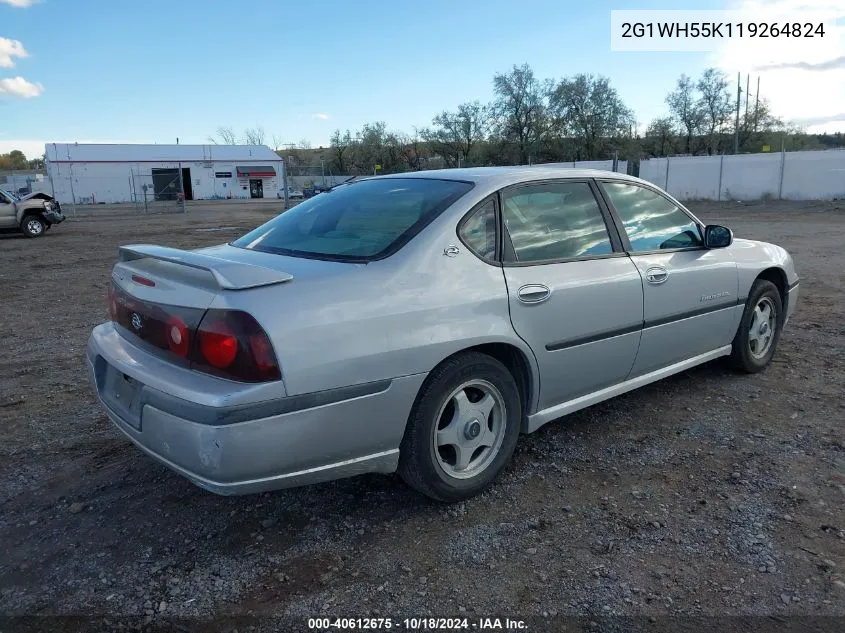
(165, 183)
(186, 183)
(256, 188)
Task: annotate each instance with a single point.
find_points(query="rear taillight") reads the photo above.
(111, 301)
(218, 345)
(226, 343)
(232, 344)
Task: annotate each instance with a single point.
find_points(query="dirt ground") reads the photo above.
(709, 493)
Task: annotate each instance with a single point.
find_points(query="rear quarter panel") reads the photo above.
(395, 317)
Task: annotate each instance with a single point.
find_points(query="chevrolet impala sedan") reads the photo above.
(420, 323)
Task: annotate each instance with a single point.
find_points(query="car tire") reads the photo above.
(759, 330)
(33, 226)
(463, 428)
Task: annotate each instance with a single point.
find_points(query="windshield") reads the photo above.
(359, 221)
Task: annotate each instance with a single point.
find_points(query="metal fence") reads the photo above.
(142, 190)
(158, 191)
(24, 181)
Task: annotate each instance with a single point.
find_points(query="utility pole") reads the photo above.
(738, 94)
(747, 91)
(756, 103)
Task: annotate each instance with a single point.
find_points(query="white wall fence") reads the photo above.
(606, 165)
(783, 176)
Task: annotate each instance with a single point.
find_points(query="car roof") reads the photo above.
(497, 177)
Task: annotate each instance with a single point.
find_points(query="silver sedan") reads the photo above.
(420, 323)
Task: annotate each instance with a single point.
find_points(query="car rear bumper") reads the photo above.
(246, 448)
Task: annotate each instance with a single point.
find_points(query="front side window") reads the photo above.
(479, 231)
(356, 222)
(651, 221)
(553, 221)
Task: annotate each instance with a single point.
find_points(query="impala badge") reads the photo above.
(715, 296)
(137, 323)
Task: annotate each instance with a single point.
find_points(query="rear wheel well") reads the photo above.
(516, 363)
(778, 278)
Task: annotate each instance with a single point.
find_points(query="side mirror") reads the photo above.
(716, 236)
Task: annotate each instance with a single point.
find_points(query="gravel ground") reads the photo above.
(709, 493)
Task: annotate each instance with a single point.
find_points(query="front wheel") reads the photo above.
(33, 226)
(759, 330)
(463, 428)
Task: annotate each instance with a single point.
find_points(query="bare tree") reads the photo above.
(519, 109)
(341, 148)
(714, 104)
(254, 136)
(685, 109)
(411, 150)
(589, 109)
(225, 136)
(660, 136)
(277, 143)
(454, 135)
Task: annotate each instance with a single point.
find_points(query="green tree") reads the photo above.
(685, 110)
(587, 109)
(454, 135)
(13, 160)
(714, 106)
(519, 113)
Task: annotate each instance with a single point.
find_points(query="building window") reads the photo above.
(223, 174)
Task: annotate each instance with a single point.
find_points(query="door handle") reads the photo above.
(533, 293)
(656, 275)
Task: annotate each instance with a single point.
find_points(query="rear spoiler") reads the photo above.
(229, 275)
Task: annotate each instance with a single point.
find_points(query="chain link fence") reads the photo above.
(158, 191)
(149, 190)
(22, 182)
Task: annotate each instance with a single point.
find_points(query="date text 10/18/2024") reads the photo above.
(417, 624)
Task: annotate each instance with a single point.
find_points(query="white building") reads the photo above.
(81, 173)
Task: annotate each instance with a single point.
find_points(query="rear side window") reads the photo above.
(552, 221)
(356, 222)
(651, 221)
(479, 231)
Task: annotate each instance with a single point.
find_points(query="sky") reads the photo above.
(95, 71)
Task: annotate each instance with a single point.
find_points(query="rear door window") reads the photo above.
(554, 221)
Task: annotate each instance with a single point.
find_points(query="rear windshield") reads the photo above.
(358, 221)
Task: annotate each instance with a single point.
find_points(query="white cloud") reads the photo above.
(20, 4)
(20, 87)
(31, 149)
(321, 116)
(8, 50)
(803, 78)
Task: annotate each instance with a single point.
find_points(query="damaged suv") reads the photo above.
(32, 215)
